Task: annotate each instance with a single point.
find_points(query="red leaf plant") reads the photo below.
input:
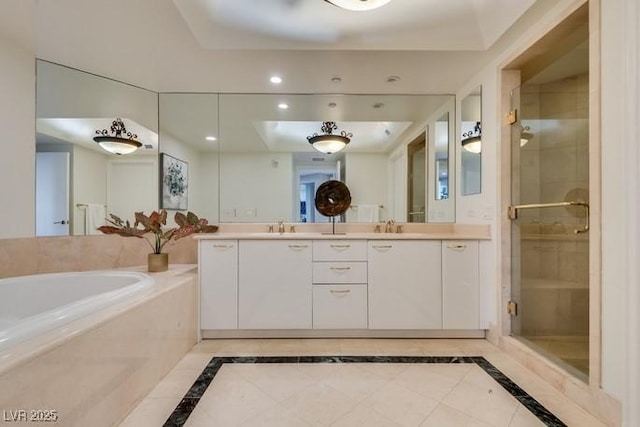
(187, 225)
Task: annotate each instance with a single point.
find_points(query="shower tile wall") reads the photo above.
(554, 168)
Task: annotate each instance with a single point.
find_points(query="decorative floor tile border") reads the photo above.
(193, 395)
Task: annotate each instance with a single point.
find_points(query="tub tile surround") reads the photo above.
(35, 255)
(297, 394)
(96, 369)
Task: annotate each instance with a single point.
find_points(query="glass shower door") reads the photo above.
(550, 220)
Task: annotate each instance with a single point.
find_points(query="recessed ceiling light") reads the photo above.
(276, 80)
(336, 79)
(378, 105)
(392, 79)
(283, 106)
(332, 105)
(359, 5)
(211, 138)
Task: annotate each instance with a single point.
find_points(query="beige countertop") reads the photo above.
(346, 236)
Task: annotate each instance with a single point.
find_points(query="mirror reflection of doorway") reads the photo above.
(417, 174)
(310, 179)
(52, 193)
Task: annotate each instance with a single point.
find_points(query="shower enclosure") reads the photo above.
(550, 214)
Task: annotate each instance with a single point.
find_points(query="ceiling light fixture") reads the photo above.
(283, 106)
(358, 5)
(276, 80)
(121, 142)
(210, 138)
(329, 143)
(472, 140)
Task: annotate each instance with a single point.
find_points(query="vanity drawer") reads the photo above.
(340, 306)
(339, 250)
(339, 272)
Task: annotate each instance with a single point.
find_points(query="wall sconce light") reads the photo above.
(525, 135)
(329, 143)
(121, 142)
(472, 140)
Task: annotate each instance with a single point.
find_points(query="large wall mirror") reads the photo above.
(78, 182)
(471, 141)
(441, 158)
(269, 171)
(241, 157)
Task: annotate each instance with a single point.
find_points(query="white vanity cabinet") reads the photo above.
(218, 267)
(405, 288)
(357, 287)
(274, 284)
(340, 284)
(460, 287)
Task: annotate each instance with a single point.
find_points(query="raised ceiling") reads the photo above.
(319, 25)
(435, 46)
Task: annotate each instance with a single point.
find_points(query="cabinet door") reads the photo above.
(460, 287)
(340, 306)
(275, 285)
(405, 289)
(218, 266)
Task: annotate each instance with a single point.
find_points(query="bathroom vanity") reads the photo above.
(358, 284)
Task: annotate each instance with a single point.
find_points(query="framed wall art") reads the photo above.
(174, 183)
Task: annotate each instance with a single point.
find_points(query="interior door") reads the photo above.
(52, 194)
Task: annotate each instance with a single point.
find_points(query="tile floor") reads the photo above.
(353, 394)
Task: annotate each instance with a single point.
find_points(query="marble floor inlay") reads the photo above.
(365, 401)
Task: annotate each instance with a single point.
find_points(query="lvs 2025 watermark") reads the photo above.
(29, 415)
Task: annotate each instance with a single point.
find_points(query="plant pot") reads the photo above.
(157, 263)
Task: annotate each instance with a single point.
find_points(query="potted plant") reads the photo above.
(157, 261)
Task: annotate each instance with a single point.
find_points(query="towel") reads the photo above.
(94, 216)
(368, 213)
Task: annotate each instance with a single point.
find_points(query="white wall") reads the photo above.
(89, 177)
(17, 121)
(620, 92)
(208, 188)
(203, 176)
(132, 185)
(256, 187)
(366, 177)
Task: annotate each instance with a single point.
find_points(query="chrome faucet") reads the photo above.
(388, 228)
(281, 226)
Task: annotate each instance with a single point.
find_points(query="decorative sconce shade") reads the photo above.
(525, 135)
(472, 140)
(121, 142)
(358, 5)
(329, 143)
